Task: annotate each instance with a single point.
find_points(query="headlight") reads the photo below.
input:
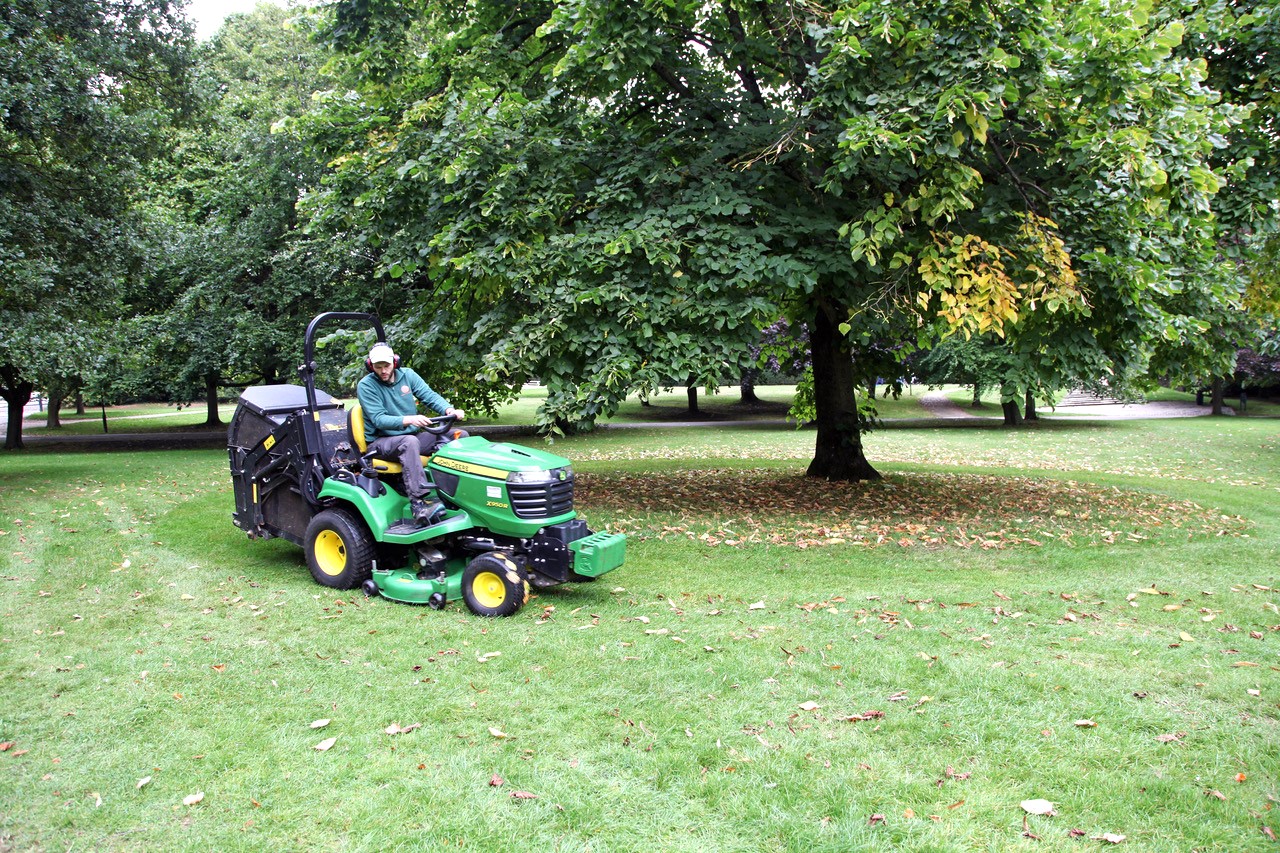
(556, 475)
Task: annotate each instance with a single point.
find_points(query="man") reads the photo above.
(389, 396)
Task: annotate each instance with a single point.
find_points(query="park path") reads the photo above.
(939, 405)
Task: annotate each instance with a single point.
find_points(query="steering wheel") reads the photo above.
(440, 425)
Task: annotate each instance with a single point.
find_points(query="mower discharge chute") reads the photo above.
(506, 518)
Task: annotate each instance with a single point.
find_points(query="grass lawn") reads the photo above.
(1087, 614)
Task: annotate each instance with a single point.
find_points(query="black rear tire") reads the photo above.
(493, 585)
(340, 549)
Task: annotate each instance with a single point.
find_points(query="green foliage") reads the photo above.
(87, 89)
(605, 195)
(235, 279)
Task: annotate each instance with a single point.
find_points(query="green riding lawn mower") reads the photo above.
(505, 519)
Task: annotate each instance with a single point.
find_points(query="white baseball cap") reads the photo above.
(381, 353)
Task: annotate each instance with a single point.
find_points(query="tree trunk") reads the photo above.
(16, 395)
(211, 400)
(1217, 398)
(104, 417)
(838, 449)
(1030, 408)
(1012, 415)
(748, 387)
(52, 417)
(80, 402)
(692, 391)
(977, 396)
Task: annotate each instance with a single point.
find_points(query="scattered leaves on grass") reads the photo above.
(876, 818)
(143, 782)
(397, 729)
(325, 745)
(320, 724)
(1109, 837)
(496, 781)
(735, 506)
(523, 795)
(809, 706)
(192, 799)
(1174, 737)
(497, 732)
(1085, 724)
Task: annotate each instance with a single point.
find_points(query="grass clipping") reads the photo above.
(734, 507)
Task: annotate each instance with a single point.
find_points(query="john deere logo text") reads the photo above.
(468, 468)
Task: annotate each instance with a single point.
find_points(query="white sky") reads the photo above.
(209, 14)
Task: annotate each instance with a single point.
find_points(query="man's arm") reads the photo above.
(425, 395)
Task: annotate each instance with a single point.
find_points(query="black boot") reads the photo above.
(425, 513)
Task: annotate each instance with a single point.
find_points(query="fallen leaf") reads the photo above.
(1039, 807)
(1085, 724)
(219, 667)
(496, 781)
(496, 732)
(325, 745)
(192, 799)
(1171, 738)
(523, 795)
(1185, 637)
(875, 818)
(397, 729)
(759, 605)
(1109, 837)
(6, 746)
(1240, 777)
(320, 724)
(1266, 830)
(143, 782)
(809, 706)
(1215, 793)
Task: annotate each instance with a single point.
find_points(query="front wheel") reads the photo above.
(340, 549)
(493, 585)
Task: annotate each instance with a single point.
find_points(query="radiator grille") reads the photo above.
(541, 500)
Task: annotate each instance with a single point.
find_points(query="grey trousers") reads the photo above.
(406, 449)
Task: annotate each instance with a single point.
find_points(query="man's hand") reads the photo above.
(419, 421)
(457, 413)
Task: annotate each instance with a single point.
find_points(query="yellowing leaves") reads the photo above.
(980, 287)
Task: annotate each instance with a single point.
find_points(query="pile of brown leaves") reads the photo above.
(733, 506)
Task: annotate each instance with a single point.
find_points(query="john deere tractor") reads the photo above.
(505, 521)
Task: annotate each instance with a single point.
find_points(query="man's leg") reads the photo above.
(407, 450)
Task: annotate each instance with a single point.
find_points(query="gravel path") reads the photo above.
(939, 405)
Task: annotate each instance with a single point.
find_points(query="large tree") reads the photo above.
(85, 88)
(235, 279)
(605, 194)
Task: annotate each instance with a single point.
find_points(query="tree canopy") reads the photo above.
(86, 89)
(606, 194)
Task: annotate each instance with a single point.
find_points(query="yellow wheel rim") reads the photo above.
(331, 553)
(488, 589)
